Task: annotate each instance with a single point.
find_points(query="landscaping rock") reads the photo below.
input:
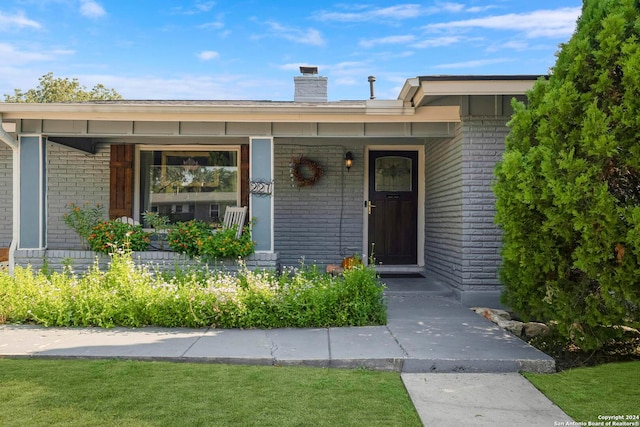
(503, 319)
(535, 329)
(513, 326)
(493, 314)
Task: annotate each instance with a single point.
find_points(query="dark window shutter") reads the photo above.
(121, 181)
(244, 175)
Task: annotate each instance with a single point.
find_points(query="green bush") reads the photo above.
(187, 237)
(199, 239)
(133, 296)
(83, 219)
(110, 236)
(568, 187)
(224, 244)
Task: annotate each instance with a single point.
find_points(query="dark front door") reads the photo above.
(393, 207)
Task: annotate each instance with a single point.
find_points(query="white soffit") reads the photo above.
(9, 127)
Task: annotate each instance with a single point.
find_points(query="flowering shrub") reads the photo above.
(199, 239)
(187, 237)
(223, 244)
(109, 236)
(133, 296)
(83, 219)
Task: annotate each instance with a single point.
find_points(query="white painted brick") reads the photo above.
(67, 183)
(6, 195)
(307, 220)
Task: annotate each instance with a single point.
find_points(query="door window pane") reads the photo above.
(183, 185)
(393, 173)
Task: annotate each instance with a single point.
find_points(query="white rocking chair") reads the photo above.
(127, 220)
(235, 215)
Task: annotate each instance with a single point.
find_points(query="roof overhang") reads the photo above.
(421, 91)
(5, 128)
(227, 111)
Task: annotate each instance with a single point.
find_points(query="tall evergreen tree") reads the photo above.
(568, 186)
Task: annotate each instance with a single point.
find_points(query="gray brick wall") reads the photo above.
(6, 195)
(73, 176)
(443, 209)
(80, 260)
(322, 223)
(482, 147)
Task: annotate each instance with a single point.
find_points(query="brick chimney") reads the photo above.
(310, 87)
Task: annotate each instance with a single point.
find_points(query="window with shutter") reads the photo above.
(121, 181)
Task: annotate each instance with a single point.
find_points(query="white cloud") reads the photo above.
(309, 36)
(396, 13)
(340, 66)
(197, 8)
(215, 25)
(208, 55)
(91, 9)
(21, 57)
(17, 20)
(452, 7)
(442, 41)
(387, 40)
(187, 86)
(540, 23)
(477, 9)
(516, 45)
(205, 6)
(399, 12)
(474, 64)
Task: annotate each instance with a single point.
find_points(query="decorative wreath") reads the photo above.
(298, 167)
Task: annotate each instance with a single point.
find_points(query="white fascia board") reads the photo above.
(477, 87)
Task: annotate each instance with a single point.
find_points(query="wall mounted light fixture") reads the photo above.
(348, 160)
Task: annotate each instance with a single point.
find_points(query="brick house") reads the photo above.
(417, 196)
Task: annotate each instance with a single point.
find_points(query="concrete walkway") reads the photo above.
(459, 368)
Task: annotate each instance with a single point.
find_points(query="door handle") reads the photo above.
(370, 206)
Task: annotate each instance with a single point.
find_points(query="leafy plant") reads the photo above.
(110, 236)
(58, 89)
(224, 244)
(83, 219)
(200, 239)
(187, 237)
(568, 187)
(126, 294)
(157, 221)
(160, 224)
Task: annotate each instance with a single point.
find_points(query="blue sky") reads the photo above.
(251, 49)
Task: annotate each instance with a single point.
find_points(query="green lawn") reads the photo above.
(586, 393)
(37, 392)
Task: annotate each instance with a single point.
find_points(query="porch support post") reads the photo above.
(12, 142)
(32, 216)
(261, 205)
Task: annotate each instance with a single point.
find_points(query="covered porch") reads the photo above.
(447, 132)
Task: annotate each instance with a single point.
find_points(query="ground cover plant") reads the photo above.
(568, 186)
(126, 294)
(587, 393)
(133, 393)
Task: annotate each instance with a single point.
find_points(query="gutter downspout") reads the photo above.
(13, 143)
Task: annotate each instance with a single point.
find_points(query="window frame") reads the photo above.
(173, 147)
